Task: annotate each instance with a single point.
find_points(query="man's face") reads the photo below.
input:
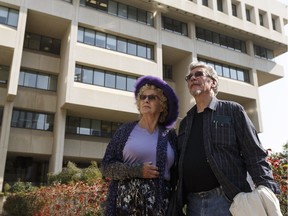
(198, 82)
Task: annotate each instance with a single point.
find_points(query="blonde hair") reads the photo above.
(162, 98)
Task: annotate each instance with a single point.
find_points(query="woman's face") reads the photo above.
(150, 103)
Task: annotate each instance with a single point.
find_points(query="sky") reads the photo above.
(274, 107)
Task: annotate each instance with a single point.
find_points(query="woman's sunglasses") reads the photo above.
(150, 97)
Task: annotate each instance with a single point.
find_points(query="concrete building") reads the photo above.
(67, 68)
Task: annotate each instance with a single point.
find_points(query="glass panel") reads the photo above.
(29, 119)
(52, 83)
(42, 81)
(150, 52)
(89, 37)
(150, 19)
(122, 45)
(110, 80)
(3, 15)
(40, 121)
(223, 41)
(55, 47)
(237, 45)
(80, 35)
(78, 74)
(34, 42)
(112, 7)
(142, 16)
(132, 48)
(100, 39)
(122, 10)
(111, 42)
(226, 71)
(208, 36)
(120, 82)
(218, 69)
(141, 50)
(233, 73)
(30, 80)
(87, 75)
(21, 78)
(73, 124)
(106, 129)
(115, 126)
(4, 74)
(132, 13)
(96, 127)
(240, 74)
(49, 122)
(85, 126)
(131, 83)
(98, 77)
(184, 29)
(270, 54)
(216, 39)
(13, 17)
(230, 42)
(200, 33)
(15, 117)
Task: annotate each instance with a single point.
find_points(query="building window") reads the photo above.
(90, 127)
(1, 115)
(104, 78)
(263, 52)
(121, 10)
(248, 17)
(261, 21)
(115, 43)
(32, 120)
(234, 10)
(42, 43)
(273, 24)
(205, 2)
(37, 80)
(9, 16)
(228, 71)
(167, 72)
(4, 74)
(220, 39)
(220, 5)
(174, 26)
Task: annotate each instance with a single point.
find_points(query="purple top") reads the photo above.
(141, 147)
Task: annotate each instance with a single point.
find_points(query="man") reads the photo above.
(218, 145)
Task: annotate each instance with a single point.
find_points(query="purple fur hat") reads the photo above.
(172, 100)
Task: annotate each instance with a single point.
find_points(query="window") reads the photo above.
(220, 5)
(229, 71)
(167, 72)
(220, 39)
(248, 18)
(37, 80)
(205, 2)
(32, 120)
(261, 21)
(4, 74)
(121, 10)
(263, 52)
(9, 16)
(104, 78)
(44, 43)
(115, 43)
(174, 26)
(273, 24)
(234, 10)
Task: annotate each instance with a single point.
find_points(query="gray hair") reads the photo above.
(210, 72)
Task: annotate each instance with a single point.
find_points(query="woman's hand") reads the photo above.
(150, 171)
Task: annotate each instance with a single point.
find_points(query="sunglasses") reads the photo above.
(150, 97)
(196, 74)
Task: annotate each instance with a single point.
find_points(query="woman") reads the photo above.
(140, 157)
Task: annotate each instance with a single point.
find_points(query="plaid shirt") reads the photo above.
(232, 148)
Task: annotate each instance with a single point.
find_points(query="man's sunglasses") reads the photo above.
(196, 74)
(150, 97)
